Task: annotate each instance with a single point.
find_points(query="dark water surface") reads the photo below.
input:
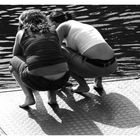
(119, 25)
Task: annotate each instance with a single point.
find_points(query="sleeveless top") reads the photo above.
(42, 50)
(80, 36)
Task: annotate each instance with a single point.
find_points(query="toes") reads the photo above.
(24, 106)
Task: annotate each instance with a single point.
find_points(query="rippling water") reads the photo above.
(119, 25)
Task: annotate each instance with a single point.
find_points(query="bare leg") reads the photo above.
(98, 82)
(52, 97)
(82, 87)
(99, 87)
(29, 98)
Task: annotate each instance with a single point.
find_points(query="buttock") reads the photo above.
(90, 71)
(40, 83)
(78, 65)
(54, 76)
(100, 63)
(49, 77)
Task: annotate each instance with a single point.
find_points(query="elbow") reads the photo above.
(17, 54)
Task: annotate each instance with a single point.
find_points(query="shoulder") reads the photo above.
(19, 34)
(66, 23)
(64, 27)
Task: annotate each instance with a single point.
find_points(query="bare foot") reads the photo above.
(81, 89)
(28, 102)
(53, 105)
(100, 90)
(52, 97)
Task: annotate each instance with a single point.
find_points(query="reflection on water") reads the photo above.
(119, 25)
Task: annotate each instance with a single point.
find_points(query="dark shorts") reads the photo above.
(42, 84)
(37, 82)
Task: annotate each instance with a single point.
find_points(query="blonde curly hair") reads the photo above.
(35, 20)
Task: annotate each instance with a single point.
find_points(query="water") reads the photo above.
(119, 25)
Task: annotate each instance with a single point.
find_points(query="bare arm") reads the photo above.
(62, 31)
(17, 50)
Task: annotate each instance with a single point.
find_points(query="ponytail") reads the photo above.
(59, 16)
(69, 15)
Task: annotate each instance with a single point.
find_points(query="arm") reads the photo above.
(17, 50)
(62, 31)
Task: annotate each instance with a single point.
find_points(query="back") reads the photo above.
(80, 35)
(41, 50)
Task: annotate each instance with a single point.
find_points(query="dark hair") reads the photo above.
(60, 16)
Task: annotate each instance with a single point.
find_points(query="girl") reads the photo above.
(87, 53)
(38, 63)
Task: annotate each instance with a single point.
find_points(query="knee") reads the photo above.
(65, 51)
(11, 65)
(115, 66)
(11, 69)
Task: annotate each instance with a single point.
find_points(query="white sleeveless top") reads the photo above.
(81, 36)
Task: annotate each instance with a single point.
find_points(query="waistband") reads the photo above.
(100, 63)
